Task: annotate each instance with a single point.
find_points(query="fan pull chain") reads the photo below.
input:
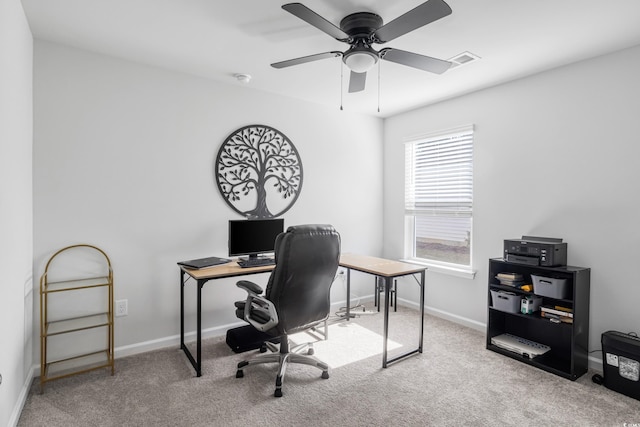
(341, 83)
(379, 68)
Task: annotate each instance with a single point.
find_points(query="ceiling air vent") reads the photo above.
(463, 59)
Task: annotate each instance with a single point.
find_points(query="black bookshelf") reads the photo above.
(569, 343)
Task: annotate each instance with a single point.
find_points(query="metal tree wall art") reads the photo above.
(259, 172)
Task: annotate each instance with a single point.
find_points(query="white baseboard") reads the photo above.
(22, 398)
(595, 364)
(470, 323)
(172, 341)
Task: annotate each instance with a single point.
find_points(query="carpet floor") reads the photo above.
(455, 381)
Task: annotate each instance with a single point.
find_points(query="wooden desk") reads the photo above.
(388, 270)
(385, 268)
(201, 277)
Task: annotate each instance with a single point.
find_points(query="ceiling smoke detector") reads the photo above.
(243, 78)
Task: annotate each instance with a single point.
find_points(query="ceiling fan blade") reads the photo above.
(308, 15)
(427, 12)
(410, 59)
(305, 59)
(357, 81)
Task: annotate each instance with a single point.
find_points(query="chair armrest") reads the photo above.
(250, 287)
(263, 303)
(254, 298)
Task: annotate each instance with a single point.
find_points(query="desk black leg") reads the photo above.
(388, 282)
(199, 330)
(387, 295)
(196, 363)
(182, 309)
(422, 279)
(348, 293)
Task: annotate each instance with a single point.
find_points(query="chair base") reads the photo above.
(284, 357)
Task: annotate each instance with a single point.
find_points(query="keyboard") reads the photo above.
(520, 345)
(255, 262)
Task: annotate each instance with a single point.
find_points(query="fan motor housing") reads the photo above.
(361, 24)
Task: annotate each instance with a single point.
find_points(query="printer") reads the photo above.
(530, 250)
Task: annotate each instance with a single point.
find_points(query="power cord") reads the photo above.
(342, 311)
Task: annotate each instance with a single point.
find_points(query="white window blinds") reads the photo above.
(439, 174)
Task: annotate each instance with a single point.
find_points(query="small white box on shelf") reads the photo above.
(530, 304)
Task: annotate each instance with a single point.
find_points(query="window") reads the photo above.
(439, 198)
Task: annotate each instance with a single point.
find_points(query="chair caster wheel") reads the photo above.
(239, 373)
(310, 352)
(325, 374)
(277, 393)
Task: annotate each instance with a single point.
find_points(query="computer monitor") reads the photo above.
(254, 236)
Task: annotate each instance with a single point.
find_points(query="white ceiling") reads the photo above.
(216, 39)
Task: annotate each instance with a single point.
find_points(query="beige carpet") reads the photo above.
(456, 381)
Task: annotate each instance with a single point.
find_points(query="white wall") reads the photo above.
(16, 243)
(124, 157)
(556, 155)
(124, 154)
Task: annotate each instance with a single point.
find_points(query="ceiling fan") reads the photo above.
(363, 29)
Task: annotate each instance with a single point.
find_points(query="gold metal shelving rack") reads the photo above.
(52, 369)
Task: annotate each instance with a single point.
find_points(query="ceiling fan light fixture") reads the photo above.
(361, 30)
(360, 60)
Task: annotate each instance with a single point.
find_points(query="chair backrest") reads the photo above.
(307, 258)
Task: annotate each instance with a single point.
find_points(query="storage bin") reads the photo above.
(550, 287)
(505, 301)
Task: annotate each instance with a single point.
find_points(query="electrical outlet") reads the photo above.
(121, 308)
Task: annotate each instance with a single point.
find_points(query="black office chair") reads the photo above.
(297, 295)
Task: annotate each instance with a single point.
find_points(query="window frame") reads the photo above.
(411, 212)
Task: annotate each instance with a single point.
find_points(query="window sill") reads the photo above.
(442, 269)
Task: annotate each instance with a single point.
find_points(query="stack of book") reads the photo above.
(510, 279)
(557, 313)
